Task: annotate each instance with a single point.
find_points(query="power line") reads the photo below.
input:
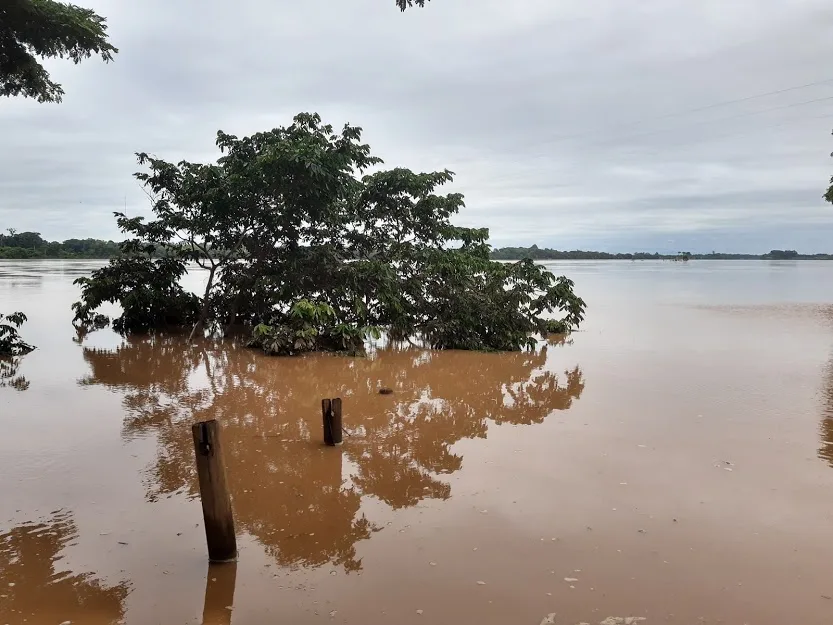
(722, 119)
(693, 110)
(744, 132)
(746, 99)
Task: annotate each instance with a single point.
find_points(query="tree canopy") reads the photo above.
(48, 29)
(307, 251)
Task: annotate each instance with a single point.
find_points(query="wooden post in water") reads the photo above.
(331, 414)
(216, 503)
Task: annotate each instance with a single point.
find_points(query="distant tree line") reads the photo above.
(21, 245)
(543, 253)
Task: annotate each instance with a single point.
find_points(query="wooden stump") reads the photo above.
(331, 416)
(216, 502)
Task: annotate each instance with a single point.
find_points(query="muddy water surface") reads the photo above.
(672, 461)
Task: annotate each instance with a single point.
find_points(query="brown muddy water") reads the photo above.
(672, 462)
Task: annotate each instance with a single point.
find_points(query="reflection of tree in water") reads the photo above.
(33, 589)
(826, 429)
(8, 374)
(289, 491)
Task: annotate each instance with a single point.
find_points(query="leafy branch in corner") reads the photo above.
(404, 4)
(47, 29)
(10, 342)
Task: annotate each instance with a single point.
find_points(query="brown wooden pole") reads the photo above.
(336, 421)
(216, 503)
(326, 415)
(219, 594)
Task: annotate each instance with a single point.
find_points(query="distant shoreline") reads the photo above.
(621, 257)
(672, 258)
(537, 253)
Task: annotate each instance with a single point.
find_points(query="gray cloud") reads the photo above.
(568, 123)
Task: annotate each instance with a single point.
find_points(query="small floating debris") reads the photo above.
(570, 579)
(419, 612)
(481, 583)
(549, 619)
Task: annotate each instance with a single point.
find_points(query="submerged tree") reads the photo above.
(309, 256)
(45, 28)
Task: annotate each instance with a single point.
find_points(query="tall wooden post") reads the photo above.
(331, 415)
(219, 594)
(216, 503)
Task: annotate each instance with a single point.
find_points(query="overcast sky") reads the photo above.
(569, 123)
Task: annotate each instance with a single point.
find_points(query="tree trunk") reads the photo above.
(204, 311)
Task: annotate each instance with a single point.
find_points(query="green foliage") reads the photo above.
(310, 327)
(46, 29)
(147, 289)
(557, 326)
(10, 342)
(297, 244)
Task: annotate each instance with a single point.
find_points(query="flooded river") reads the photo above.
(672, 461)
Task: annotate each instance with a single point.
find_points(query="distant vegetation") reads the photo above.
(542, 253)
(22, 245)
(19, 245)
